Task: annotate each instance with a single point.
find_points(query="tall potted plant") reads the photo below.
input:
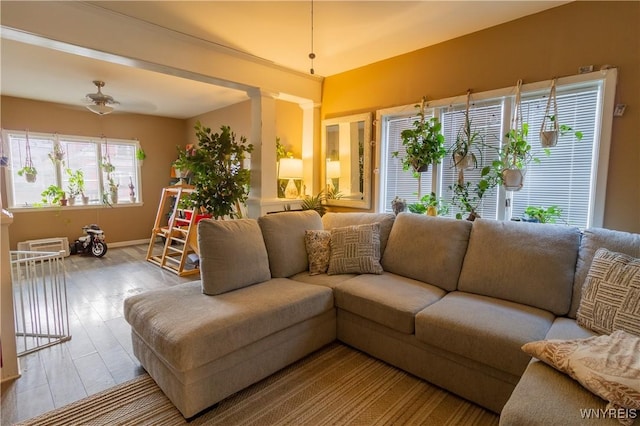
(221, 182)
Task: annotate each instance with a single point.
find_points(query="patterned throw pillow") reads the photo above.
(611, 294)
(318, 244)
(355, 249)
(608, 366)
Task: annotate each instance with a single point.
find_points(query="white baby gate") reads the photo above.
(40, 300)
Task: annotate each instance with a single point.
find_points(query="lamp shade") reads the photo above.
(333, 169)
(290, 168)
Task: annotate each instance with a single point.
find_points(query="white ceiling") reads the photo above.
(347, 35)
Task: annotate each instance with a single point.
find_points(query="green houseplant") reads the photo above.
(76, 185)
(216, 166)
(53, 195)
(430, 205)
(29, 172)
(140, 156)
(112, 185)
(468, 196)
(542, 214)
(424, 144)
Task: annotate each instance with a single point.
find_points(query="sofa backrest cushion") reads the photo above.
(284, 238)
(528, 263)
(340, 220)
(428, 249)
(232, 255)
(592, 240)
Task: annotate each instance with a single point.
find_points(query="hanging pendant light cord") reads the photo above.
(312, 55)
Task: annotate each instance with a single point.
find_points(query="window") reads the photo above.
(572, 177)
(77, 153)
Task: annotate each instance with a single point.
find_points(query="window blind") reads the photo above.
(564, 178)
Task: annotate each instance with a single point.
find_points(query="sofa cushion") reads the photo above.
(592, 240)
(227, 249)
(545, 396)
(340, 220)
(355, 249)
(529, 263)
(428, 249)
(388, 299)
(568, 328)
(284, 238)
(325, 280)
(608, 365)
(490, 331)
(318, 246)
(188, 329)
(611, 294)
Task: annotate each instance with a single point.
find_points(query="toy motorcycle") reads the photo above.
(92, 242)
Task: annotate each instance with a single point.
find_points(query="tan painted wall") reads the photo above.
(238, 117)
(158, 136)
(538, 47)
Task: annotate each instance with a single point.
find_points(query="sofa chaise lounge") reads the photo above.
(452, 303)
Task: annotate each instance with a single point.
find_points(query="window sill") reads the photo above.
(46, 208)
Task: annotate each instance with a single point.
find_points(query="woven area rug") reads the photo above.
(335, 386)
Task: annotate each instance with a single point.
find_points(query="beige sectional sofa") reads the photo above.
(454, 305)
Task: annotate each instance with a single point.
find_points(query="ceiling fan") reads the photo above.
(100, 101)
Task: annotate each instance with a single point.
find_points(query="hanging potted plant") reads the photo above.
(467, 141)
(109, 168)
(216, 166)
(551, 129)
(516, 153)
(28, 170)
(57, 155)
(424, 144)
(140, 156)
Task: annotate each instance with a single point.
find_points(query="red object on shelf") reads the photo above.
(199, 217)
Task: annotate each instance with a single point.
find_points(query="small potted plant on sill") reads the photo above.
(53, 195)
(76, 186)
(132, 192)
(429, 204)
(542, 215)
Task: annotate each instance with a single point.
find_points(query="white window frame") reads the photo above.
(602, 137)
(99, 142)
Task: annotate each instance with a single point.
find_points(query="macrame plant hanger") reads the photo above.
(29, 174)
(549, 136)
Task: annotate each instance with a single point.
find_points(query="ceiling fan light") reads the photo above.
(100, 109)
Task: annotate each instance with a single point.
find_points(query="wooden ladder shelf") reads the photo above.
(179, 234)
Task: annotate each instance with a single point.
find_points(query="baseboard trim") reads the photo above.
(128, 243)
